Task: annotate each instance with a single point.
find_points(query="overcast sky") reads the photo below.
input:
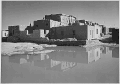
(24, 12)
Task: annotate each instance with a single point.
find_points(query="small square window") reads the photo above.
(44, 31)
(46, 24)
(73, 32)
(36, 25)
(5, 34)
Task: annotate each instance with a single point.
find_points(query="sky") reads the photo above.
(25, 12)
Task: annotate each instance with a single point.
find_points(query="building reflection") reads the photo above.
(17, 58)
(62, 59)
(106, 50)
(78, 55)
(111, 48)
(94, 55)
(61, 65)
(115, 52)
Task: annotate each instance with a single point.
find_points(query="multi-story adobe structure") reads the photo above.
(7, 35)
(64, 19)
(14, 30)
(83, 30)
(50, 21)
(96, 31)
(13, 33)
(59, 26)
(39, 30)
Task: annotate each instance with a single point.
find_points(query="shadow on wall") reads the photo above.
(79, 32)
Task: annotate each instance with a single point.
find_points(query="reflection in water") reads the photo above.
(63, 58)
(94, 55)
(22, 61)
(63, 64)
(115, 52)
(81, 55)
(105, 50)
(97, 54)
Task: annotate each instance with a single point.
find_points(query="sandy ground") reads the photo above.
(21, 48)
(98, 43)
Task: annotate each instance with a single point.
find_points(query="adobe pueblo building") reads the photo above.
(57, 27)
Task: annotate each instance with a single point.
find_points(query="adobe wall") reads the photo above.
(97, 31)
(81, 32)
(91, 32)
(67, 32)
(5, 33)
(24, 35)
(42, 24)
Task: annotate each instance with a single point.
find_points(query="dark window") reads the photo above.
(13, 32)
(73, 32)
(10, 34)
(96, 31)
(46, 24)
(44, 31)
(5, 34)
(36, 25)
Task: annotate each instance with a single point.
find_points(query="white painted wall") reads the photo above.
(91, 32)
(97, 35)
(54, 23)
(65, 20)
(47, 31)
(5, 33)
(42, 33)
(81, 23)
(73, 20)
